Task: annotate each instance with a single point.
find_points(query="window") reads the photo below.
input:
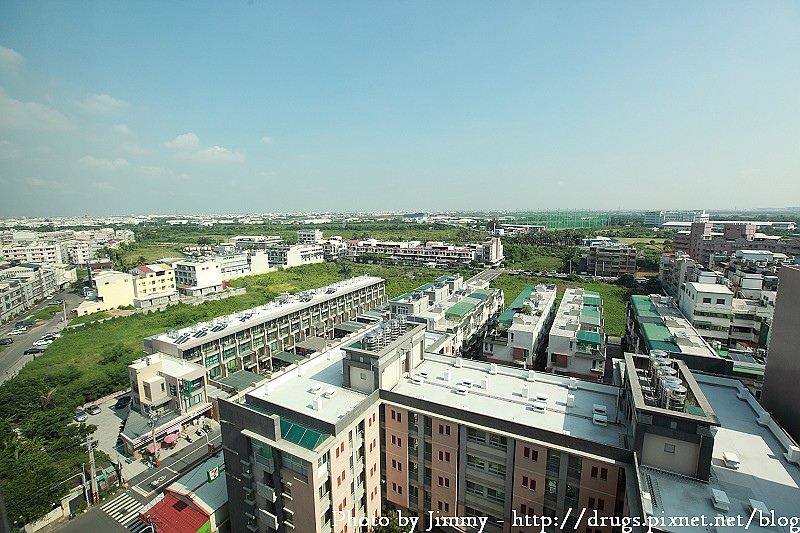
(444, 481)
(474, 488)
(476, 435)
(496, 496)
(604, 473)
(594, 472)
(706, 300)
(497, 468)
(528, 483)
(444, 506)
(444, 456)
(669, 448)
(444, 429)
(476, 462)
(498, 441)
(720, 301)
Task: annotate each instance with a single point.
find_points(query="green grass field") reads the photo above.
(46, 313)
(614, 296)
(539, 263)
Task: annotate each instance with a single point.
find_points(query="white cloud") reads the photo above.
(266, 140)
(103, 164)
(265, 174)
(8, 150)
(123, 129)
(10, 59)
(187, 146)
(33, 181)
(29, 115)
(131, 147)
(185, 141)
(561, 183)
(101, 104)
(217, 153)
(102, 186)
(151, 169)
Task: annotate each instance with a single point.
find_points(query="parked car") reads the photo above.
(18, 331)
(23, 324)
(93, 410)
(42, 342)
(7, 340)
(123, 402)
(80, 416)
(33, 351)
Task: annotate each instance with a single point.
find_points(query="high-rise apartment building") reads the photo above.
(782, 372)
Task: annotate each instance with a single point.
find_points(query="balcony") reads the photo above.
(269, 519)
(266, 492)
(266, 462)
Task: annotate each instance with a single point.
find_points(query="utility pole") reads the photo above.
(153, 420)
(92, 473)
(64, 304)
(83, 484)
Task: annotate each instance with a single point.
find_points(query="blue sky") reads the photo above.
(255, 106)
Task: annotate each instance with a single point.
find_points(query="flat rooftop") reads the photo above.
(297, 389)
(170, 366)
(504, 399)
(763, 474)
(223, 326)
(714, 288)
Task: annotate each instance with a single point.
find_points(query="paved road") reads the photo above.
(486, 275)
(12, 357)
(119, 514)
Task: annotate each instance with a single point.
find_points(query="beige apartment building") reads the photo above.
(154, 285)
(110, 290)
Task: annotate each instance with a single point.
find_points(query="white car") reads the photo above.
(17, 331)
(43, 342)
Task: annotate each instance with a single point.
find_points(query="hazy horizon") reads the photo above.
(256, 107)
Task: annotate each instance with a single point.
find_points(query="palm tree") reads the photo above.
(47, 398)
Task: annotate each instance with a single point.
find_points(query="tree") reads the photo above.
(204, 241)
(345, 267)
(46, 398)
(392, 527)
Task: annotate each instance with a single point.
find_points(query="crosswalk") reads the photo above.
(125, 510)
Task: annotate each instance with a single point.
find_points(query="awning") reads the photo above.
(287, 357)
(589, 337)
(151, 449)
(172, 437)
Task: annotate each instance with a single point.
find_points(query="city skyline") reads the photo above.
(254, 107)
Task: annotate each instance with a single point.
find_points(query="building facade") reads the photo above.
(576, 345)
(522, 328)
(611, 261)
(783, 364)
(154, 284)
(250, 339)
(198, 276)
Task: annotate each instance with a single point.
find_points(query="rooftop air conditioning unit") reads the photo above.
(462, 390)
(417, 380)
(315, 389)
(598, 409)
(330, 393)
(600, 420)
(539, 407)
(424, 373)
(731, 460)
(467, 382)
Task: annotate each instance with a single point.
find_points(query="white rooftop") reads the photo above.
(297, 389)
(223, 326)
(763, 473)
(504, 398)
(170, 366)
(714, 288)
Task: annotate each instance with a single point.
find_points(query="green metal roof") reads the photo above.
(425, 287)
(643, 307)
(287, 357)
(589, 337)
(656, 332)
(592, 300)
(591, 293)
(401, 297)
(667, 346)
(590, 315)
(460, 309)
(481, 294)
(516, 306)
